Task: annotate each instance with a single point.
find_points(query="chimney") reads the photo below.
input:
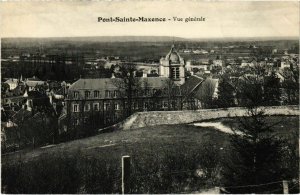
(144, 74)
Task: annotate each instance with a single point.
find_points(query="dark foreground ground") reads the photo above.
(165, 159)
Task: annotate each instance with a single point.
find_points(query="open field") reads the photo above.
(119, 143)
(165, 159)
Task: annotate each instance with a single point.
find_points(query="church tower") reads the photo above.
(172, 66)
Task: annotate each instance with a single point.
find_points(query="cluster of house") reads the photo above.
(100, 102)
(205, 65)
(24, 99)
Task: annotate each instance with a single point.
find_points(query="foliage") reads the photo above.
(256, 154)
(250, 92)
(271, 90)
(225, 93)
(153, 171)
(33, 128)
(128, 84)
(46, 175)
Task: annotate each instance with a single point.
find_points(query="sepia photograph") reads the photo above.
(149, 97)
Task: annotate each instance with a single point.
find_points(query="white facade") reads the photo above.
(173, 66)
(285, 64)
(13, 83)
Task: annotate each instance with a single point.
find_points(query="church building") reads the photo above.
(173, 67)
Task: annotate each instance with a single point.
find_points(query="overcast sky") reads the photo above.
(223, 19)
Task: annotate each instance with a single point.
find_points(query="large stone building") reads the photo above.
(96, 103)
(173, 66)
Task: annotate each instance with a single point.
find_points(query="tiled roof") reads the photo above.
(110, 83)
(190, 84)
(198, 87)
(34, 83)
(207, 88)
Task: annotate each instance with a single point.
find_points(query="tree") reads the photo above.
(128, 83)
(171, 92)
(206, 93)
(250, 91)
(225, 93)
(4, 88)
(255, 156)
(290, 86)
(271, 90)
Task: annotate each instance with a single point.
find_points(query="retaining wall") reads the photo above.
(143, 119)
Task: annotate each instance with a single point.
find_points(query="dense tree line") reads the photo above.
(52, 67)
(265, 90)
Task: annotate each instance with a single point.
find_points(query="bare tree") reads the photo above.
(127, 83)
(171, 92)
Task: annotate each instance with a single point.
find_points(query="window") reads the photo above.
(146, 105)
(173, 104)
(107, 120)
(116, 93)
(147, 92)
(87, 94)
(107, 94)
(75, 107)
(154, 91)
(75, 94)
(135, 93)
(96, 106)
(116, 106)
(175, 73)
(87, 107)
(106, 106)
(85, 120)
(76, 122)
(96, 94)
(135, 106)
(165, 104)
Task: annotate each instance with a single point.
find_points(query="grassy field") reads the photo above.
(160, 137)
(129, 142)
(165, 159)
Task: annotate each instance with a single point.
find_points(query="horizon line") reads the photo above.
(244, 37)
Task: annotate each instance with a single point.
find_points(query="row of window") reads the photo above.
(107, 120)
(87, 107)
(116, 106)
(116, 93)
(96, 94)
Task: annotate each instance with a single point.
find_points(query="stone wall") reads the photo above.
(143, 119)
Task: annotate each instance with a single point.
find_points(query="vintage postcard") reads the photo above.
(149, 97)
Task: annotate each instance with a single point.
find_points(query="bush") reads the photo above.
(46, 175)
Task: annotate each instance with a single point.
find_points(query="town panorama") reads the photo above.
(192, 114)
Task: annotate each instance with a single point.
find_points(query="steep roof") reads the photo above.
(207, 88)
(109, 83)
(199, 88)
(173, 56)
(191, 84)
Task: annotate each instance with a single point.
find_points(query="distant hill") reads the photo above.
(99, 39)
(246, 39)
(112, 39)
